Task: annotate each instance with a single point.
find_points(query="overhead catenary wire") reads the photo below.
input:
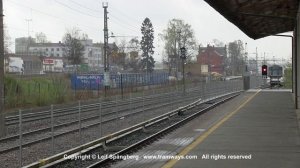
(100, 11)
(52, 16)
(117, 21)
(124, 14)
(25, 30)
(121, 27)
(115, 18)
(83, 6)
(124, 22)
(120, 23)
(76, 10)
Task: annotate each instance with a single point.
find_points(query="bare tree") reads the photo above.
(118, 54)
(41, 38)
(178, 34)
(134, 59)
(236, 54)
(218, 43)
(74, 49)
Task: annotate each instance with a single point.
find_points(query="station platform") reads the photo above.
(263, 132)
(259, 128)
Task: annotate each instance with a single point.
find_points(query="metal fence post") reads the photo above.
(227, 86)
(130, 102)
(98, 89)
(216, 89)
(100, 117)
(172, 101)
(79, 113)
(20, 137)
(235, 85)
(144, 107)
(204, 91)
(52, 130)
(117, 111)
(39, 84)
(122, 91)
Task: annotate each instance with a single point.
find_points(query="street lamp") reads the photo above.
(183, 57)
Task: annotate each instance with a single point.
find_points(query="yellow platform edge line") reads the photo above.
(202, 137)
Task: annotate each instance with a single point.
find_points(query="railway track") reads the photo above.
(112, 114)
(130, 139)
(72, 130)
(29, 117)
(155, 102)
(67, 117)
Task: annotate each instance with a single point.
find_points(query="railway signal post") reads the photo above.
(264, 73)
(183, 57)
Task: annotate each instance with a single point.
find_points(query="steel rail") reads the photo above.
(76, 129)
(13, 120)
(120, 133)
(151, 138)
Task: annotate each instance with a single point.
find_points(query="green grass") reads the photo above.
(44, 91)
(35, 92)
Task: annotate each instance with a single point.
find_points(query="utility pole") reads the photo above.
(2, 121)
(28, 31)
(256, 57)
(106, 59)
(246, 61)
(209, 63)
(28, 35)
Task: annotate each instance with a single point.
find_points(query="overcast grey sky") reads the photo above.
(54, 17)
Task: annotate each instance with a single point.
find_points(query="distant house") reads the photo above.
(98, 49)
(48, 49)
(211, 59)
(51, 53)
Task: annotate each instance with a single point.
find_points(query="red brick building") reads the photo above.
(212, 58)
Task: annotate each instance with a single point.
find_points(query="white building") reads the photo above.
(93, 54)
(48, 49)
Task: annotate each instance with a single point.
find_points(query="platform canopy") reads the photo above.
(259, 18)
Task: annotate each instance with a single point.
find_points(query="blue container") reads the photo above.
(96, 81)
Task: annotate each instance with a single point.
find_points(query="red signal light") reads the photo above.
(264, 70)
